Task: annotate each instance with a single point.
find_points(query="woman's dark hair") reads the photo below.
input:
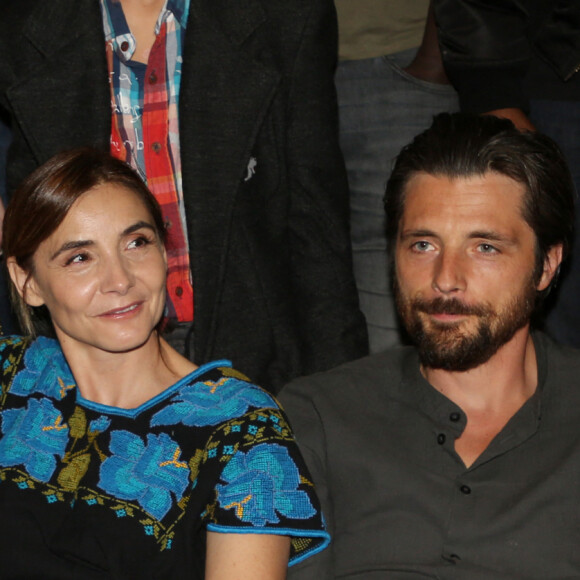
(43, 200)
(461, 145)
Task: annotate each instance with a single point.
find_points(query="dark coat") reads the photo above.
(271, 264)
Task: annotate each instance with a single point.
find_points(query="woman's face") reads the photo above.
(101, 274)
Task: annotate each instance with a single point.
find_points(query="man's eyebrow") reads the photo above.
(417, 234)
(492, 236)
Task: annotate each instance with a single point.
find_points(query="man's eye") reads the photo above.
(422, 246)
(487, 249)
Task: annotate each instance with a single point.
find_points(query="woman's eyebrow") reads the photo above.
(72, 245)
(137, 226)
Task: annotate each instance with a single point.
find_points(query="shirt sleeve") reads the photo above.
(264, 486)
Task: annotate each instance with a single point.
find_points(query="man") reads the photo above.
(228, 111)
(458, 458)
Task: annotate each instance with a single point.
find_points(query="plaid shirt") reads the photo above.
(144, 130)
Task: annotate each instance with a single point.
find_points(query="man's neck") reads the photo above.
(490, 394)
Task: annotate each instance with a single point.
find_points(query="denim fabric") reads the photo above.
(560, 120)
(381, 109)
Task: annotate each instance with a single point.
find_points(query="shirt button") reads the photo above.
(152, 78)
(156, 147)
(441, 438)
(124, 45)
(454, 417)
(179, 291)
(465, 489)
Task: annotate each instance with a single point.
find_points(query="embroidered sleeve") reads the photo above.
(264, 486)
(12, 350)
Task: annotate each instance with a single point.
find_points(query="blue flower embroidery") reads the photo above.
(202, 404)
(46, 371)
(100, 424)
(261, 484)
(148, 474)
(33, 436)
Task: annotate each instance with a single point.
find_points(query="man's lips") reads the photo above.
(448, 309)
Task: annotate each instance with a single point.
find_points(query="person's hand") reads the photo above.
(516, 116)
(428, 64)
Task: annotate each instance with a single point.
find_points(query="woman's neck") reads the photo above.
(126, 379)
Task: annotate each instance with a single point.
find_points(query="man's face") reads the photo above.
(465, 267)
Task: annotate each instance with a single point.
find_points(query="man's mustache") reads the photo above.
(448, 306)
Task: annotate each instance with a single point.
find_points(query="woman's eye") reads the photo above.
(139, 242)
(77, 259)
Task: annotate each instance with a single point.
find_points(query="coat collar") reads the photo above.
(237, 19)
(58, 23)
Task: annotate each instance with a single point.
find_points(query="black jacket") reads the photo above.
(498, 53)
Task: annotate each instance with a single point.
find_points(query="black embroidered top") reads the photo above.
(91, 491)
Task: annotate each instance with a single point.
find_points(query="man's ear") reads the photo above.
(25, 283)
(552, 263)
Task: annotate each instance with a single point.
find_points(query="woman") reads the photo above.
(119, 458)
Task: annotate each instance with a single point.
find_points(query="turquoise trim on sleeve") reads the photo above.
(322, 534)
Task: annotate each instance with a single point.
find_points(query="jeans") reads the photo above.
(381, 109)
(560, 120)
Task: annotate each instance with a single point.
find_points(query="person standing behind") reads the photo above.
(521, 60)
(390, 82)
(228, 110)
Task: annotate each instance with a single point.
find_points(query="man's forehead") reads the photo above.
(474, 188)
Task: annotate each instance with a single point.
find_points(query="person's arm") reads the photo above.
(516, 116)
(246, 556)
(428, 64)
(332, 329)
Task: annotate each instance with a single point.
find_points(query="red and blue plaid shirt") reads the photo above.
(144, 129)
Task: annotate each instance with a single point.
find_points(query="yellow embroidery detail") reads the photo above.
(239, 505)
(64, 388)
(174, 461)
(214, 385)
(56, 426)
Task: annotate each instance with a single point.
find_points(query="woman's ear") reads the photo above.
(24, 283)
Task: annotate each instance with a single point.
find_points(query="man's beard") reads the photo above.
(453, 347)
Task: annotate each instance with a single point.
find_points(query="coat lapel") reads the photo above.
(66, 43)
(225, 95)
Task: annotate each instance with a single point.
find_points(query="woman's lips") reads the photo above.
(122, 312)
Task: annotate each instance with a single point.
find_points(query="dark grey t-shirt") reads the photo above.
(401, 505)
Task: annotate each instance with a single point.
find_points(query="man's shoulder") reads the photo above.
(556, 361)
(353, 380)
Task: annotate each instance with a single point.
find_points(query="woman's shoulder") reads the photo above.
(32, 364)
(214, 393)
